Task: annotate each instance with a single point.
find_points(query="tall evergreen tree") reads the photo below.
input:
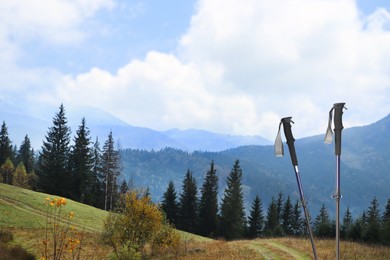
(346, 224)
(297, 222)
(256, 219)
(188, 204)
(371, 233)
(232, 221)
(279, 206)
(54, 175)
(97, 183)
(170, 205)
(386, 224)
(208, 206)
(322, 224)
(272, 225)
(111, 170)
(287, 215)
(81, 164)
(6, 149)
(26, 155)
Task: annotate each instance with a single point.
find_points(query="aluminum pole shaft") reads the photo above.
(305, 211)
(338, 197)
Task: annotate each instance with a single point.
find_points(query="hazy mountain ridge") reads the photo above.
(20, 121)
(365, 161)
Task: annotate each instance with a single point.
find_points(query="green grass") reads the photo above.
(27, 209)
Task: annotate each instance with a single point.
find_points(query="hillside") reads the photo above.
(23, 213)
(365, 161)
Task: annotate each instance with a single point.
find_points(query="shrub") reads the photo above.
(139, 222)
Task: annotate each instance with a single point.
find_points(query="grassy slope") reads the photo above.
(29, 209)
(24, 212)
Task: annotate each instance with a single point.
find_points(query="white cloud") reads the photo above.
(53, 20)
(240, 67)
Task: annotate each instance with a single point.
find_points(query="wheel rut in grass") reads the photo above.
(270, 249)
(21, 206)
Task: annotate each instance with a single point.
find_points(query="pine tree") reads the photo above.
(188, 204)
(279, 206)
(97, 182)
(287, 214)
(6, 149)
(322, 224)
(256, 219)
(272, 225)
(232, 221)
(82, 165)
(110, 170)
(297, 222)
(26, 155)
(347, 223)
(371, 233)
(208, 206)
(386, 224)
(169, 204)
(7, 170)
(54, 175)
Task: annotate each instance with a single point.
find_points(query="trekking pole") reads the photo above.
(338, 127)
(286, 121)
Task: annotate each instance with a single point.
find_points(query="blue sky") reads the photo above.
(227, 66)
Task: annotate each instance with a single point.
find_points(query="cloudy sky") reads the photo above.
(228, 66)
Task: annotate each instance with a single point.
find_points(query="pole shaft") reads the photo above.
(303, 201)
(338, 196)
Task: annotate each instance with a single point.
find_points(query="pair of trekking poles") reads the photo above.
(338, 127)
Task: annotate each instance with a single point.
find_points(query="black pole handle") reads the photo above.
(338, 126)
(290, 139)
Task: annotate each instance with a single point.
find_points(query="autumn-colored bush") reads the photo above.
(137, 224)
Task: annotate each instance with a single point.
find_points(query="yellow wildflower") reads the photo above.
(71, 214)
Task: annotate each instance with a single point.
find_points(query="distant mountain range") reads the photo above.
(365, 169)
(21, 122)
(151, 158)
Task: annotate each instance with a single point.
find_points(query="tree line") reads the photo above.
(203, 214)
(83, 171)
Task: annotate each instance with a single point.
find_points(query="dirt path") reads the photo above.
(271, 249)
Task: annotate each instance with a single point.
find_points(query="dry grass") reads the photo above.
(31, 239)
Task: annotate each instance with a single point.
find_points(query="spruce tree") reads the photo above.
(170, 205)
(297, 222)
(346, 224)
(6, 149)
(279, 206)
(322, 224)
(26, 155)
(371, 233)
(287, 214)
(82, 165)
(386, 224)
(54, 176)
(272, 225)
(97, 183)
(188, 204)
(208, 206)
(111, 170)
(232, 221)
(256, 219)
